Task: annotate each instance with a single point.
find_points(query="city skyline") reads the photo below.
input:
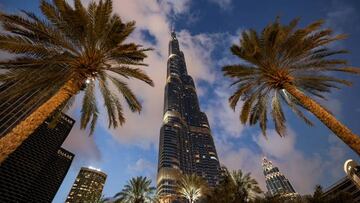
(135, 144)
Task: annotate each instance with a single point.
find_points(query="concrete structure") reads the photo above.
(88, 186)
(186, 144)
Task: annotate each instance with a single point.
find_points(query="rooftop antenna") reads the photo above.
(172, 28)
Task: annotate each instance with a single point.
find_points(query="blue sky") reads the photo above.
(206, 29)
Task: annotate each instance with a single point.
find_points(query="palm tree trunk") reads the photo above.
(339, 129)
(12, 140)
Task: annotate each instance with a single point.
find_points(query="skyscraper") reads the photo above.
(276, 183)
(88, 186)
(35, 171)
(186, 145)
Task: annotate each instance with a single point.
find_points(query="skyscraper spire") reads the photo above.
(172, 30)
(276, 182)
(186, 145)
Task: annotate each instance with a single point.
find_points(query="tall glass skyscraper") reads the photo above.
(186, 145)
(276, 183)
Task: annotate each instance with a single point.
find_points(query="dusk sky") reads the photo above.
(206, 29)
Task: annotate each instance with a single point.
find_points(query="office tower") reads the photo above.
(88, 186)
(186, 145)
(276, 183)
(34, 172)
(348, 184)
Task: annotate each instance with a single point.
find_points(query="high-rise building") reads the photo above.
(35, 171)
(350, 184)
(186, 144)
(276, 183)
(88, 186)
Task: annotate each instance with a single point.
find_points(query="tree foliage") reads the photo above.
(137, 190)
(236, 187)
(283, 55)
(86, 45)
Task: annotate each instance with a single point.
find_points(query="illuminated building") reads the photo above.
(88, 186)
(186, 145)
(35, 171)
(276, 182)
(348, 184)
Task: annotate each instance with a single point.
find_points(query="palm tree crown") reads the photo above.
(192, 187)
(83, 45)
(245, 186)
(70, 49)
(137, 190)
(282, 65)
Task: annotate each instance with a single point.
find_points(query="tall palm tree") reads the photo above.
(137, 190)
(192, 187)
(286, 65)
(71, 49)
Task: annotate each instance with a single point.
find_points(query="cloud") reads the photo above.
(223, 4)
(221, 116)
(175, 6)
(340, 15)
(143, 167)
(83, 146)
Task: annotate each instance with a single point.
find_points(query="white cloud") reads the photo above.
(144, 168)
(221, 116)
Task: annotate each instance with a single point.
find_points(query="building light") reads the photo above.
(93, 168)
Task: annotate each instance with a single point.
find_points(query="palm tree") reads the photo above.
(246, 188)
(72, 49)
(286, 64)
(137, 190)
(239, 186)
(192, 187)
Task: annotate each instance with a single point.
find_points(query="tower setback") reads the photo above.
(186, 144)
(276, 182)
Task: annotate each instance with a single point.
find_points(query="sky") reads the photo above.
(206, 29)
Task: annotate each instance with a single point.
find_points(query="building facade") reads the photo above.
(35, 171)
(276, 182)
(88, 186)
(186, 145)
(348, 184)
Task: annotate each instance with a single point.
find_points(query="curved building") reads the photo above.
(186, 145)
